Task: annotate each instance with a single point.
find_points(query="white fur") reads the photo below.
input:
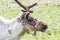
(13, 25)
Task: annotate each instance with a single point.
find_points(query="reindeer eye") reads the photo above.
(30, 19)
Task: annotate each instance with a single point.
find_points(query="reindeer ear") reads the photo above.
(22, 16)
(18, 19)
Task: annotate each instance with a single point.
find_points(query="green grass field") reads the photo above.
(48, 13)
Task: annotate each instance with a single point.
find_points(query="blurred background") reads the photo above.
(47, 11)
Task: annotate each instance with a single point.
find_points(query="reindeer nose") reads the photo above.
(44, 28)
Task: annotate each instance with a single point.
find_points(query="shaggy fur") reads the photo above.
(11, 29)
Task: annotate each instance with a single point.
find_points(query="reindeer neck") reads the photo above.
(14, 20)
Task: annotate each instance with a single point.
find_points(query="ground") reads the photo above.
(46, 11)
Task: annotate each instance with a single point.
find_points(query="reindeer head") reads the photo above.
(29, 20)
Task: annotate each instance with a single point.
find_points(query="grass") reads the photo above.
(46, 13)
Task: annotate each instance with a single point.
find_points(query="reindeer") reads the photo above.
(15, 29)
(30, 22)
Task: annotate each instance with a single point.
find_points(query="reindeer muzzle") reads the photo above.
(44, 28)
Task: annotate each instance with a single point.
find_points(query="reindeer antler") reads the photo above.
(25, 6)
(20, 4)
(32, 5)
